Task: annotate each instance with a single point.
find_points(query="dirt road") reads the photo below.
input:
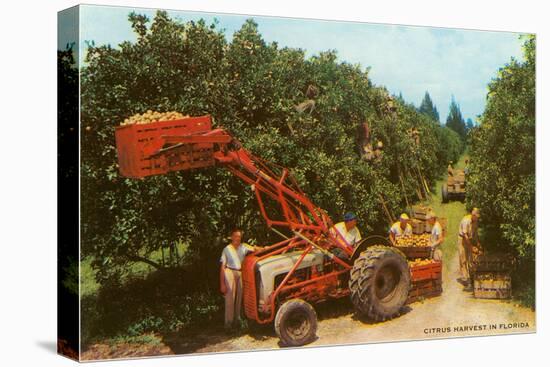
(455, 313)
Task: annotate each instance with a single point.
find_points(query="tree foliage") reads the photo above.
(502, 179)
(250, 87)
(455, 121)
(428, 108)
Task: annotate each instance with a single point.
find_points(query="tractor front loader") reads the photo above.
(282, 281)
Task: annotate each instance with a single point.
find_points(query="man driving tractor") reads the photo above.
(348, 229)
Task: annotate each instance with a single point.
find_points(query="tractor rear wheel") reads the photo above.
(444, 194)
(296, 323)
(380, 282)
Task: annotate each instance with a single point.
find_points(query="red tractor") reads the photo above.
(312, 262)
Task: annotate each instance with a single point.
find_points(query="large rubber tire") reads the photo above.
(379, 282)
(296, 323)
(444, 194)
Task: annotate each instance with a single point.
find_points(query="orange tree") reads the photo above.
(250, 87)
(502, 179)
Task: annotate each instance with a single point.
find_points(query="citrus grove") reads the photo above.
(252, 88)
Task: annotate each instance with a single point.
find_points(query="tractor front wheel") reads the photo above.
(380, 282)
(296, 323)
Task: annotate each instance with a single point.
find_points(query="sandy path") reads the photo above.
(453, 309)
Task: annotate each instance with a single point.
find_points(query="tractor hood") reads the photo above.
(272, 266)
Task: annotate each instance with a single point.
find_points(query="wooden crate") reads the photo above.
(416, 252)
(424, 289)
(493, 263)
(499, 287)
(418, 226)
(429, 271)
(419, 212)
(136, 142)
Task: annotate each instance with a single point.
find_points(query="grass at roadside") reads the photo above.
(89, 285)
(453, 211)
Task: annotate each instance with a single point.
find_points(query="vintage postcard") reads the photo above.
(239, 182)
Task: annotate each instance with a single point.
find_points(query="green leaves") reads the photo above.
(502, 180)
(250, 87)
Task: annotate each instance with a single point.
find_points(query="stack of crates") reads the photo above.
(418, 226)
(420, 212)
(426, 281)
(418, 220)
(491, 276)
(426, 274)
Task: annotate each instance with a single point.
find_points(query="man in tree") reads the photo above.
(414, 134)
(400, 228)
(450, 171)
(378, 150)
(436, 237)
(468, 244)
(308, 104)
(231, 284)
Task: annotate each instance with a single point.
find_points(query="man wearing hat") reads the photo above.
(436, 237)
(468, 242)
(347, 230)
(401, 228)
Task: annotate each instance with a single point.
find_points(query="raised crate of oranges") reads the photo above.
(141, 135)
(416, 246)
(150, 116)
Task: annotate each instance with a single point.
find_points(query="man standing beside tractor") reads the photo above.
(231, 284)
(401, 228)
(468, 243)
(436, 237)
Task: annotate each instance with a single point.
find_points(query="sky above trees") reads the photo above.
(406, 59)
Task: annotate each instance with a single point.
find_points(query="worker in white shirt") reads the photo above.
(468, 244)
(231, 284)
(436, 237)
(346, 233)
(400, 228)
